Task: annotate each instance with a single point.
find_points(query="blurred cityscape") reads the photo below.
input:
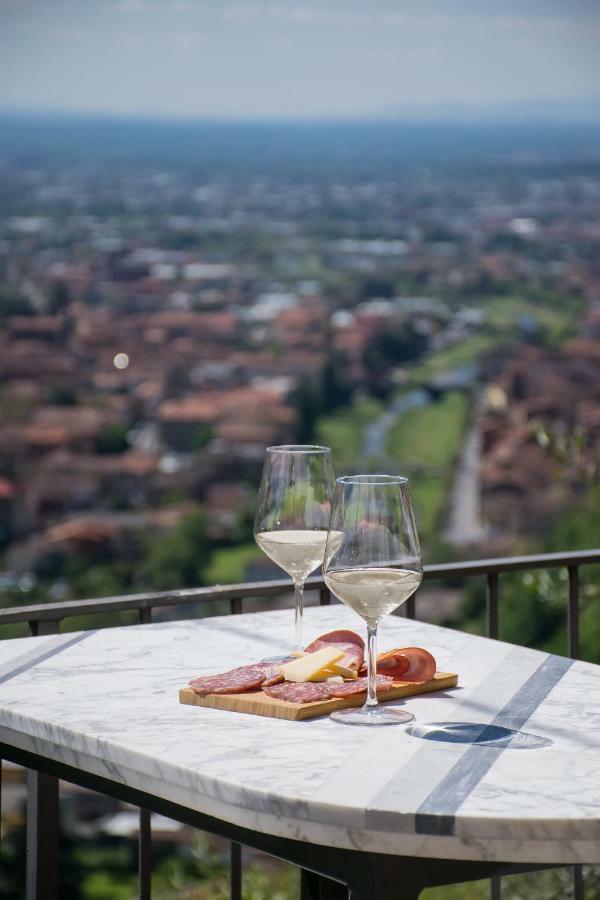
(165, 319)
(175, 298)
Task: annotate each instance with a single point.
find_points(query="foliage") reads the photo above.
(343, 430)
(112, 439)
(396, 345)
(425, 443)
(13, 304)
(228, 564)
(178, 558)
(62, 395)
(533, 604)
(202, 436)
(59, 297)
(316, 397)
(430, 435)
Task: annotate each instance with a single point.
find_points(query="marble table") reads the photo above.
(363, 806)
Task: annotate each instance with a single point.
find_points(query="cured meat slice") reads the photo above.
(236, 681)
(272, 673)
(394, 663)
(384, 683)
(422, 665)
(405, 664)
(351, 643)
(299, 692)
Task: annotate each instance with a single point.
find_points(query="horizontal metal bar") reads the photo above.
(275, 588)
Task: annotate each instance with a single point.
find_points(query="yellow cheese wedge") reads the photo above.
(338, 669)
(333, 669)
(311, 666)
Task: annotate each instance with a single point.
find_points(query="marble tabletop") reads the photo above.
(106, 702)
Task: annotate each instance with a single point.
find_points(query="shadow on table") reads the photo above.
(479, 734)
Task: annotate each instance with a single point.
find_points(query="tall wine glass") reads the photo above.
(294, 506)
(373, 568)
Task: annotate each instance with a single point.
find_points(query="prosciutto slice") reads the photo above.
(348, 641)
(406, 664)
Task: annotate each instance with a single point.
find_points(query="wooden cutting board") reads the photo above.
(257, 703)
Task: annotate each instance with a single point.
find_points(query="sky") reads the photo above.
(279, 59)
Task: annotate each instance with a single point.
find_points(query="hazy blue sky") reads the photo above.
(279, 58)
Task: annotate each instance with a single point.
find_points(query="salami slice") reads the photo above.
(348, 641)
(359, 686)
(305, 692)
(422, 665)
(236, 681)
(271, 672)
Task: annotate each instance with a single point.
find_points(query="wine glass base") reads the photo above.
(372, 715)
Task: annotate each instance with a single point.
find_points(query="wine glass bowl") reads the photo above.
(293, 512)
(373, 565)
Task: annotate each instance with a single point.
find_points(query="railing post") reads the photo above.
(145, 856)
(492, 605)
(573, 612)
(495, 888)
(235, 606)
(145, 615)
(42, 836)
(41, 868)
(578, 885)
(235, 871)
(324, 595)
(40, 627)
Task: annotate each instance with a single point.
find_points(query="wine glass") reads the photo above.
(294, 506)
(373, 568)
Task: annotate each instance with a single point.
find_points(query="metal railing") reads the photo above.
(44, 619)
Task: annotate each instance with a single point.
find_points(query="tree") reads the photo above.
(113, 439)
(59, 297)
(178, 558)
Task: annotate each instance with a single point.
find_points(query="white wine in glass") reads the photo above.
(292, 518)
(373, 565)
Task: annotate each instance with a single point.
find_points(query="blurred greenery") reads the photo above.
(533, 604)
(178, 558)
(228, 564)
(343, 430)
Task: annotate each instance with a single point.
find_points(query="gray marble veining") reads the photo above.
(107, 703)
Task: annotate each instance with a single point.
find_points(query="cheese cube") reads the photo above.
(310, 667)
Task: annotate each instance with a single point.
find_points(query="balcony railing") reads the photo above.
(43, 619)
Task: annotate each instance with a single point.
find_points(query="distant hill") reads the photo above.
(277, 145)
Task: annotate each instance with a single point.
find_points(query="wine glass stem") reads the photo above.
(299, 597)
(372, 664)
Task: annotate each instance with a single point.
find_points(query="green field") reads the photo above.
(343, 431)
(454, 357)
(425, 439)
(502, 315)
(429, 435)
(228, 564)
